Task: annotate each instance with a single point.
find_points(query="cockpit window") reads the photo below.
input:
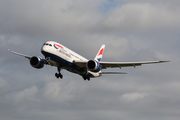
(47, 44)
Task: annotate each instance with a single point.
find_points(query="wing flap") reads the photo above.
(113, 73)
(81, 64)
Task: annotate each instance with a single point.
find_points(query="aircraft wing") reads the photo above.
(46, 61)
(81, 64)
(104, 65)
(26, 56)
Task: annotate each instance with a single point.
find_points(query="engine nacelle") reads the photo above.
(93, 66)
(36, 62)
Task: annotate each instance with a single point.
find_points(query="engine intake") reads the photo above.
(36, 62)
(93, 66)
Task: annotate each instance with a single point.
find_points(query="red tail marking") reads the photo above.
(101, 52)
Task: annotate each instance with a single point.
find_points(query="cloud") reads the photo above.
(23, 96)
(132, 30)
(3, 83)
(129, 97)
(59, 93)
(142, 16)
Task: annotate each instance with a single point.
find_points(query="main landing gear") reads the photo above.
(59, 75)
(86, 77)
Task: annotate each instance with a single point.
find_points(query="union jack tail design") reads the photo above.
(100, 54)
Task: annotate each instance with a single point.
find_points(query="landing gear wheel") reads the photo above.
(86, 77)
(59, 75)
(56, 74)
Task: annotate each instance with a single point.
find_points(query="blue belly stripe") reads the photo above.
(65, 63)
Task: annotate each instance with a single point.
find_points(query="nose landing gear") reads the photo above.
(59, 75)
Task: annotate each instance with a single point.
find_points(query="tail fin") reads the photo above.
(100, 54)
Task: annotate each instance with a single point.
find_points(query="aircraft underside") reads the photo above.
(63, 64)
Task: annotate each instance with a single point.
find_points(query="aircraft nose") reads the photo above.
(44, 48)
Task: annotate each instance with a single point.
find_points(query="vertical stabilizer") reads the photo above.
(100, 54)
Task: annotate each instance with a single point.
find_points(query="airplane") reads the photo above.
(63, 58)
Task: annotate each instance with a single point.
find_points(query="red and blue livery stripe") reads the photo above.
(57, 46)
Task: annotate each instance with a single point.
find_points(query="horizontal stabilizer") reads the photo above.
(113, 73)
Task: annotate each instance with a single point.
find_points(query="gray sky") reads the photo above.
(133, 30)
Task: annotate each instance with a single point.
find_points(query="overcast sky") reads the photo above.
(132, 30)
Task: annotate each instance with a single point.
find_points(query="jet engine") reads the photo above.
(36, 62)
(93, 66)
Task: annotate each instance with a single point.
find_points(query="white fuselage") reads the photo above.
(64, 58)
(61, 51)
